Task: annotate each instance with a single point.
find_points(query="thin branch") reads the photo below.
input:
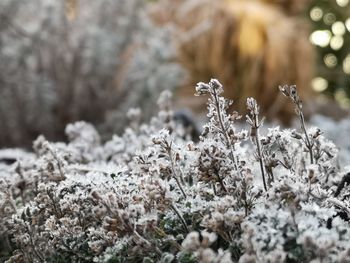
(221, 181)
(257, 141)
(180, 217)
(308, 143)
(254, 134)
(175, 176)
(292, 93)
(224, 130)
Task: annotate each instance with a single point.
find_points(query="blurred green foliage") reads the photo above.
(331, 36)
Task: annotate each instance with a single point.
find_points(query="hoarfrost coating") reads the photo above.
(154, 195)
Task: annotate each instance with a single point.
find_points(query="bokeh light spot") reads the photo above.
(337, 42)
(329, 18)
(316, 13)
(321, 38)
(341, 98)
(347, 24)
(338, 28)
(319, 84)
(342, 3)
(330, 60)
(346, 64)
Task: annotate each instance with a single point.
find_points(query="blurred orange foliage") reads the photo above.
(251, 46)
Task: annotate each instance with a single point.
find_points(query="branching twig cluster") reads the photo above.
(153, 195)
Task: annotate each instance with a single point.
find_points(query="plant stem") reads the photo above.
(41, 258)
(180, 217)
(220, 180)
(308, 143)
(224, 130)
(174, 173)
(59, 163)
(258, 147)
(149, 244)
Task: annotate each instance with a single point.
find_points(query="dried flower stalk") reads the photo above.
(291, 92)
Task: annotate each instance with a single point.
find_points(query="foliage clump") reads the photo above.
(155, 195)
(54, 71)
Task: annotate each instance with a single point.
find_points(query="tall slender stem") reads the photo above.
(258, 146)
(254, 133)
(180, 217)
(174, 173)
(224, 130)
(308, 143)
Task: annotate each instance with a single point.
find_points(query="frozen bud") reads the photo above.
(202, 88)
(156, 141)
(285, 90)
(216, 85)
(208, 238)
(38, 144)
(207, 256)
(190, 146)
(252, 106)
(234, 217)
(191, 241)
(136, 210)
(206, 131)
(235, 116)
(218, 217)
(293, 90)
(312, 173)
(243, 134)
(316, 133)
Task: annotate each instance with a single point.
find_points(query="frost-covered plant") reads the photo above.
(253, 121)
(154, 195)
(54, 71)
(291, 92)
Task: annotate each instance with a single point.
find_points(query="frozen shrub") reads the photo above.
(54, 71)
(154, 195)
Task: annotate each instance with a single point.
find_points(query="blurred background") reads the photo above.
(68, 60)
(331, 26)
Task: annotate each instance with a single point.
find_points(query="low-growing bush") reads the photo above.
(155, 195)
